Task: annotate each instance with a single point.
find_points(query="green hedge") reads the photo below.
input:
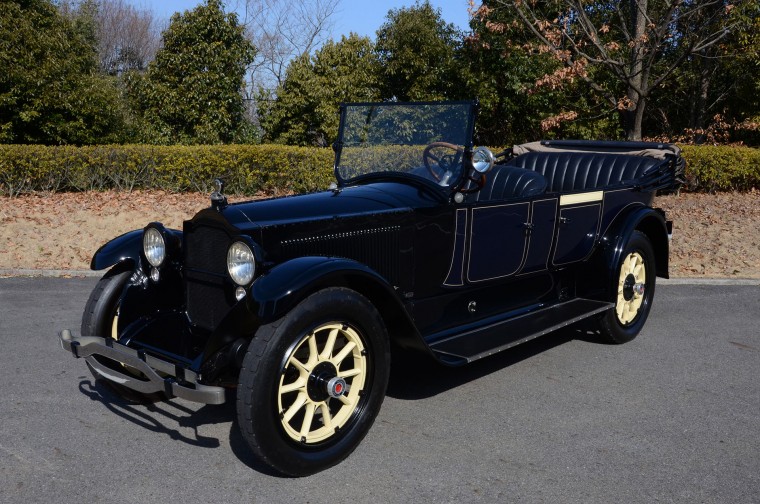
(245, 168)
(721, 168)
(271, 168)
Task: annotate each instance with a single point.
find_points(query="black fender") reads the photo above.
(652, 223)
(596, 274)
(287, 284)
(126, 249)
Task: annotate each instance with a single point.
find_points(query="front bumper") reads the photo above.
(174, 381)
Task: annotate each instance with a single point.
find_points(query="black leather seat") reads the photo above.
(508, 182)
(577, 171)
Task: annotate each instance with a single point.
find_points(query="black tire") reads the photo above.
(102, 306)
(98, 320)
(636, 268)
(273, 382)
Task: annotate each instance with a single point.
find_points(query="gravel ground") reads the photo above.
(715, 236)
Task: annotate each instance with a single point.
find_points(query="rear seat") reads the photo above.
(578, 171)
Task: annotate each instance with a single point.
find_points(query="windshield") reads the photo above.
(426, 140)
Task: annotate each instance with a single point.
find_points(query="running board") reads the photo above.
(492, 338)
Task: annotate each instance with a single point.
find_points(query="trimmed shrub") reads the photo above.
(248, 169)
(711, 168)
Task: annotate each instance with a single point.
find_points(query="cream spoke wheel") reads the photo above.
(115, 325)
(319, 389)
(329, 345)
(343, 354)
(631, 288)
(312, 382)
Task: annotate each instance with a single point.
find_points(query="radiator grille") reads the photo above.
(377, 248)
(206, 249)
(205, 273)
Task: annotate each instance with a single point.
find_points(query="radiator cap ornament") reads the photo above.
(218, 199)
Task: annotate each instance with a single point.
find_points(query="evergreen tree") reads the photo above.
(305, 110)
(50, 92)
(191, 93)
(417, 51)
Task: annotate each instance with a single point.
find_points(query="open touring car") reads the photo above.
(424, 243)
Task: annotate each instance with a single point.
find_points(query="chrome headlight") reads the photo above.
(241, 264)
(482, 159)
(154, 247)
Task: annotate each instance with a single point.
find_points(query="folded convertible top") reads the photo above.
(648, 149)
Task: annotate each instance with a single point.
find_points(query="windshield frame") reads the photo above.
(466, 158)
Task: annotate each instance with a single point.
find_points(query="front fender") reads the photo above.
(124, 248)
(289, 283)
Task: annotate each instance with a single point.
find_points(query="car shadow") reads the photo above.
(166, 417)
(148, 414)
(418, 376)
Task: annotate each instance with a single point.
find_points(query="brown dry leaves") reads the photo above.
(63, 230)
(715, 235)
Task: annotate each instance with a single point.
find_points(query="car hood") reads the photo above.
(349, 201)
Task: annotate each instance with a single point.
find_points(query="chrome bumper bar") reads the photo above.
(174, 381)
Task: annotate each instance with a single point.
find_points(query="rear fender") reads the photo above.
(652, 223)
(598, 273)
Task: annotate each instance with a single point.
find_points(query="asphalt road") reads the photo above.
(673, 416)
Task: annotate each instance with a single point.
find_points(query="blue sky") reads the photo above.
(361, 16)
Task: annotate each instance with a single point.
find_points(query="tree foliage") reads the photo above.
(191, 93)
(624, 50)
(305, 109)
(503, 75)
(50, 92)
(417, 50)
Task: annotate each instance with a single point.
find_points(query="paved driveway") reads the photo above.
(671, 417)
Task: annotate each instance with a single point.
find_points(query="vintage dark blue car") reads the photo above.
(424, 245)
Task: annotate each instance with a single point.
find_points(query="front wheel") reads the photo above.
(312, 382)
(101, 318)
(632, 291)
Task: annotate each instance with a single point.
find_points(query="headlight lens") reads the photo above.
(154, 247)
(241, 264)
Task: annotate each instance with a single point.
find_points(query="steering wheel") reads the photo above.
(446, 163)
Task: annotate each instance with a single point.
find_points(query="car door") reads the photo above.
(578, 226)
(498, 240)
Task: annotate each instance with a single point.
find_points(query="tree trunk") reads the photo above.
(637, 83)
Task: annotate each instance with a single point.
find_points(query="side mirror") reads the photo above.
(482, 160)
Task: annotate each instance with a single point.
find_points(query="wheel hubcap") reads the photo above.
(631, 288)
(322, 383)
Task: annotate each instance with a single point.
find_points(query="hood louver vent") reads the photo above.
(377, 248)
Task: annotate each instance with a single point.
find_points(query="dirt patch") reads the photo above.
(714, 235)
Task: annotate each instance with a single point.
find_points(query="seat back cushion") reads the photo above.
(577, 171)
(506, 182)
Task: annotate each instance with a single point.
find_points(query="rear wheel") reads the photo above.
(312, 382)
(632, 291)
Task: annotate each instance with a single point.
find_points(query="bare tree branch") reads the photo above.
(646, 34)
(282, 30)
